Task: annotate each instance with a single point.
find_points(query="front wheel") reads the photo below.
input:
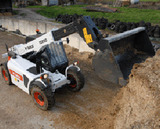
(42, 99)
(76, 80)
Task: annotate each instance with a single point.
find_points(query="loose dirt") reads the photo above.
(137, 106)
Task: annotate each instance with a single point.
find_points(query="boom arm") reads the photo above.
(84, 26)
(86, 29)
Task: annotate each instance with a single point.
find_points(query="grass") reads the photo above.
(125, 14)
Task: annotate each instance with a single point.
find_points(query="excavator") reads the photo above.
(40, 66)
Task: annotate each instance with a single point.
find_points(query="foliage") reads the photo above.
(124, 14)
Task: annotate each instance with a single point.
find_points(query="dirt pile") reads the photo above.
(84, 58)
(137, 106)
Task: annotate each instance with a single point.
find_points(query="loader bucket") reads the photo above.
(119, 53)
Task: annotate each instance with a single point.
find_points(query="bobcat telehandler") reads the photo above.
(40, 66)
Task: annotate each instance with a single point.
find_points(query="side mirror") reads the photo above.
(67, 39)
(6, 47)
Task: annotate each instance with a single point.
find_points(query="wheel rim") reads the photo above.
(4, 75)
(40, 102)
(73, 83)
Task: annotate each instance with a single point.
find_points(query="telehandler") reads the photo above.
(40, 66)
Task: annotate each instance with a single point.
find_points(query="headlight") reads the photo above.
(44, 76)
(76, 63)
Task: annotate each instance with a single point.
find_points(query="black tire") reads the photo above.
(5, 74)
(42, 99)
(112, 27)
(157, 32)
(77, 80)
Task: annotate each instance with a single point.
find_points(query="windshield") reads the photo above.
(57, 54)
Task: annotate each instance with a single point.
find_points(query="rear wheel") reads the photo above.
(76, 80)
(42, 99)
(5, 74)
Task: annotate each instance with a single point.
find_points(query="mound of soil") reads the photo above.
(84, 58)
(137, 106)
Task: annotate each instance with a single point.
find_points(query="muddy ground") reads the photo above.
(87, 109)
(99, 105)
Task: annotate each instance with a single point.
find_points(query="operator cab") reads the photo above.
(51, 57)
(54, 58)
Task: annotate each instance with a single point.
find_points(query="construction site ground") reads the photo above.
(99, 105)
(87, 109)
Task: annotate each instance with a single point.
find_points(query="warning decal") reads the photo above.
(88, 37)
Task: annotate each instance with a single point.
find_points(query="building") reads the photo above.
(49, 2)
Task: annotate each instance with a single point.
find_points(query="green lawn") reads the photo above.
(125, 14)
